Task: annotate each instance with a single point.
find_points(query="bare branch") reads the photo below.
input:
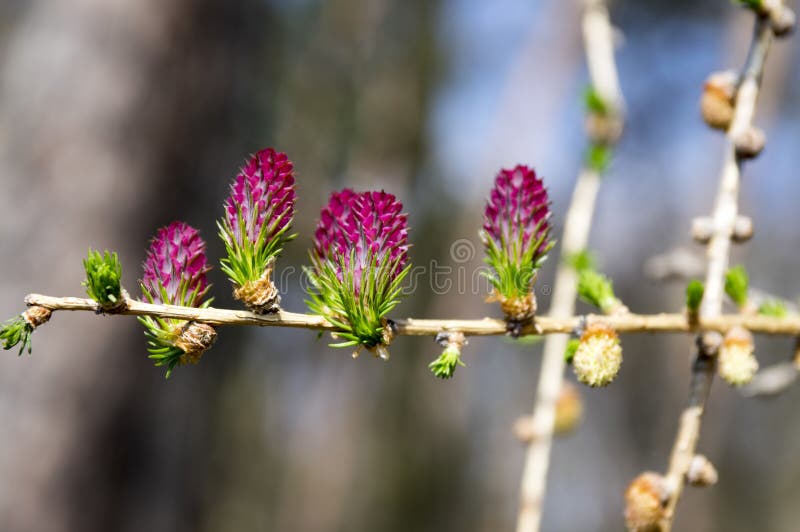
(599, 45)
(724, 220)
(625, 323)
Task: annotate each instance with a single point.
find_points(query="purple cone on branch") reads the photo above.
(516, 233)
(175, 268)
(175, 271)
(263, 192)
(359, 259)
(258, 216)
(369, 224)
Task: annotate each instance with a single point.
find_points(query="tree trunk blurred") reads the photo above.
(108, 108)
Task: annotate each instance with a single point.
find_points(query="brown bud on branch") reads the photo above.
(194, 340)
(702, 472)
(717, 102)
(645, 501)
(36, 316)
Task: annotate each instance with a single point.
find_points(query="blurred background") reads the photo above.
(119, 116)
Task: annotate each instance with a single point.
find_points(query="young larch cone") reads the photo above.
(568, 415)
(175, 267)
(718, 99)
(360, 227)
(516, 232)
(645, 501)
(360, 256)
(569, 409)
(175, 273)
(737, 364)
(258, 216)
(598, 358)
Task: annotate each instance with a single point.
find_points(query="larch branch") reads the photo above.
(545, 325)
(599, 47)
(718, 251)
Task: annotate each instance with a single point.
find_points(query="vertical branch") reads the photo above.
(537, 459)
(718, 250)
(599, 46)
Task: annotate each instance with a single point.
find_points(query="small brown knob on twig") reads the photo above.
(783, 21)
(36, 316)
(709, 343)
(645, 502)
(603, 129)
(568, 414)
(569, 409)
(716, 104)
(702, 472)
(523, 429)
(749, 143)
(742, 229)
(702, 229)
(194, 340)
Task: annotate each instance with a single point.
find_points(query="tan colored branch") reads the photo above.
(724, 219)
(598, 37)
(624, 323)
(599, 46)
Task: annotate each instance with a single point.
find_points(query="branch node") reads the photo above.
(702, 229)
(195, 339)
(709, 343)
(645, 502)
(783, 21)
(702, 472)
(261, 296)
(523, 429)
(445, 366)
(36, 316)
(749, 143)
(717, 102)
(742, 229)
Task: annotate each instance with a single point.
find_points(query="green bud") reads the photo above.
(694, 295)
(103, 274)
(569, 352)
(755, 5)
(594, 102)
(581, 260)
(445, 366)
(598, 157)
(596, 289)
(16, 331)
(773, 307)
(736, 284)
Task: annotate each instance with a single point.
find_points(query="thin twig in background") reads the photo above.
(599, 45)
(724, 218)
